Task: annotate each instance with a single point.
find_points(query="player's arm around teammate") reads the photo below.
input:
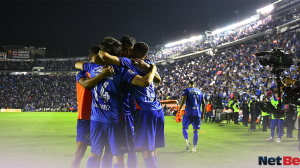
(89, 83)
(116, 61)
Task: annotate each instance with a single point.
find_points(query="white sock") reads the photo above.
(187, 141)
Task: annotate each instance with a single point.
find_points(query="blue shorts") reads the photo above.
(83, 132)
(130, 132)
(195, 121)
(149, 129)
(112, 134)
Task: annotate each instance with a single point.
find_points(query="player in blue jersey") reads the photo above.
(148, 118)
(27, 110)
(84, 98)
(127, 51)
(193, 99)
(31, 106)
(107, 123)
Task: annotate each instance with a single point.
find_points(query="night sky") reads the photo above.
(78, 25)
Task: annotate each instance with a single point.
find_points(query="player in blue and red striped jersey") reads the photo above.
(149, 117)
(84, 99)
(107, 124)
(193, 98)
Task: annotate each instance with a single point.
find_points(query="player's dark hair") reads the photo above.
(127, 40)
(111, 46)
(140, 50)
(94, 50)
(191, 83)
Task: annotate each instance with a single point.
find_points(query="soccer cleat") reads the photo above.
(194, 149)
(278, 140)
(270, 139)
(188, 146)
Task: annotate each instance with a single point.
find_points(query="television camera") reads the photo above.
(279, 61)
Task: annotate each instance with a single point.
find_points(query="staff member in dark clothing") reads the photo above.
(236, 112)
(265, 117)
(255, 111)
(245, 109)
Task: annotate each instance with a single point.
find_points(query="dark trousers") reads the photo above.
(253, 120)
(236, 117)
(265, 123)
(228, 116)
(245, 118)
(290, 126)
(208, 115)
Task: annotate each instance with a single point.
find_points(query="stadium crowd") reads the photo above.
(53, 65)
(15, 65)
(43, 91)
(228, 73)
(225, 37)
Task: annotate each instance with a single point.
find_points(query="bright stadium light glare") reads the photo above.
(266, 9)
(183, 41)
(244, 22)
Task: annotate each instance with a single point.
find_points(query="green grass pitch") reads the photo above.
(48, 140)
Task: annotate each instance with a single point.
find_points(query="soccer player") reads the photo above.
(127, 51)
(31, 107)
(193, 98)
(107, 123)
(149, 117)
(127, 46)
(84, 98)
(27, 110)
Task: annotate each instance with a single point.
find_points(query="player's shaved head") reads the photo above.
(140, 50)
(111, 46)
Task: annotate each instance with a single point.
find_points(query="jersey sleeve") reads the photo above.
(80, 74)
(185, 92)
(87, 66)
(125, 63)
(128, 75)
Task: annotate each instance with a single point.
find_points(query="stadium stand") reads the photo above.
(224, 37)
(228, 71)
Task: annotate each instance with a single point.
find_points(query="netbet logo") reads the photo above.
(286, 160)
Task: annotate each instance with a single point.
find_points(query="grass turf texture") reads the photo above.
(48, 140)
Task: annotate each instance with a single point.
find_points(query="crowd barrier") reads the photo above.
(10, 110)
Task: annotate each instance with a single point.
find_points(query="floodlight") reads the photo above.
(266, 9)
(184, 41)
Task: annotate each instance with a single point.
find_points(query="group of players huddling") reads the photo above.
(117, 107)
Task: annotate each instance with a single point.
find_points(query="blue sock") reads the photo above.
(195, 139)
(156, 159)
(107, 160)
(116, 165)
(92, 163)
(185, 133)
(132, 160)
(151, 162)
